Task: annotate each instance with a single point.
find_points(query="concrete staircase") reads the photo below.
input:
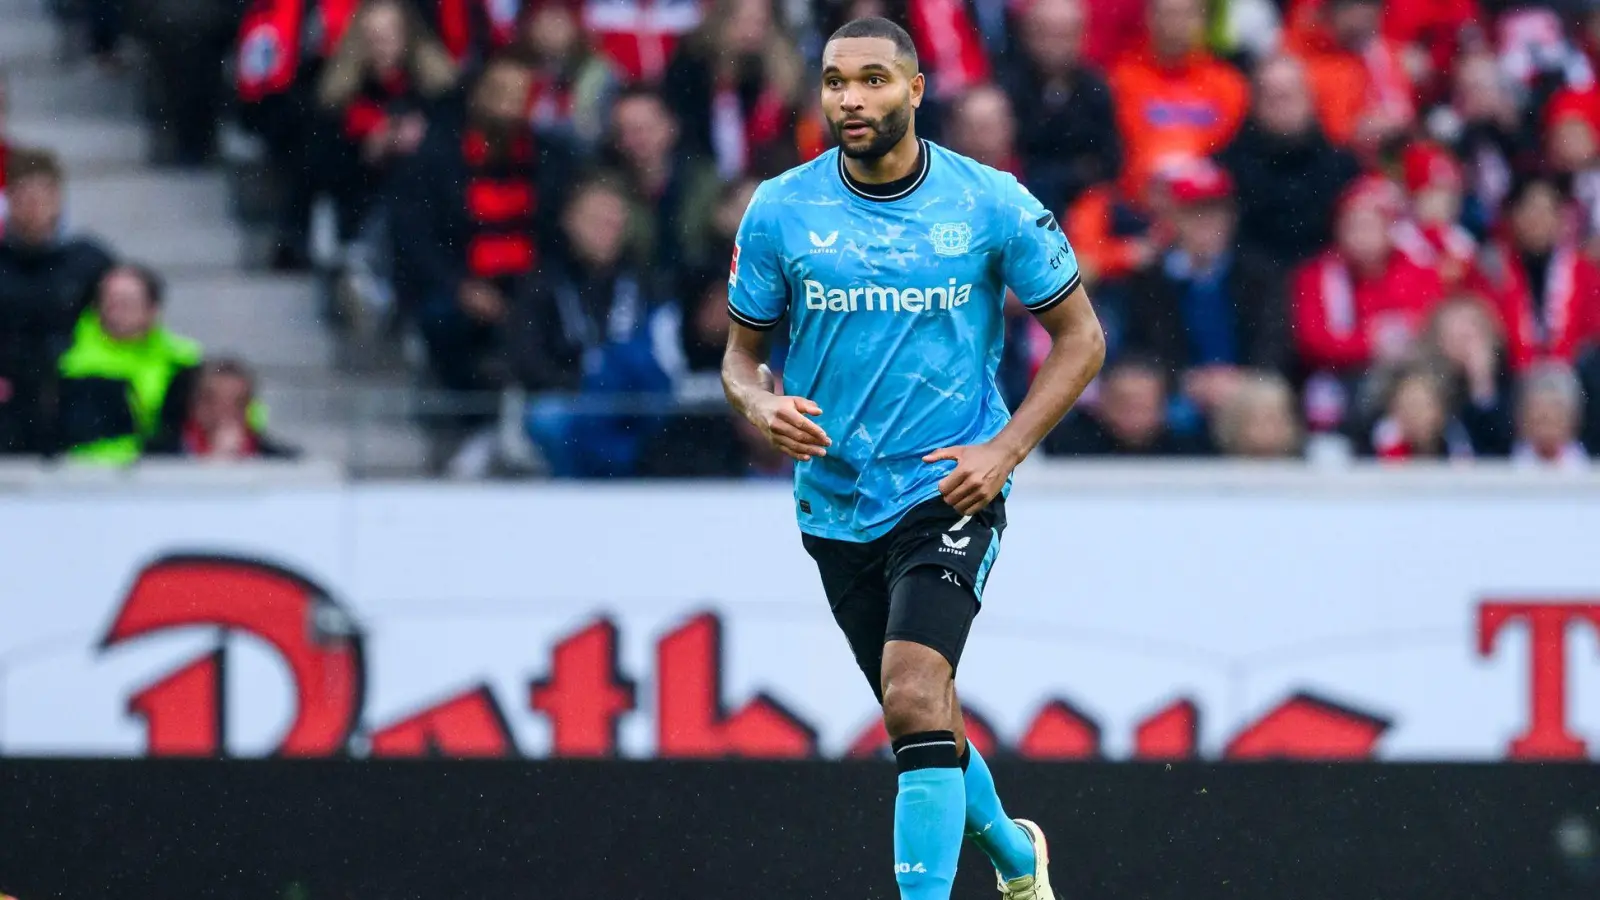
(182, 223)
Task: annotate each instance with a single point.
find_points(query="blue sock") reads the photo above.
(928, 815)
(1002, 840)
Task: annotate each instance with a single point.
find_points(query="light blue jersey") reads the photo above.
(896, 319)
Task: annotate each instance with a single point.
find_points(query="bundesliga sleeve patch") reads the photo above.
(733, 268)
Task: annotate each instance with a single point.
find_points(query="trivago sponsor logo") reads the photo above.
(585, 694)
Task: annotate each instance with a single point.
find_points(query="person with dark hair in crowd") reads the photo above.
(1546, 289)
(707, 241)
(706, 440)
(735, 85)
(1289, 176)
(580, 326)
(46, 279)
(372, 100)
(183, 42)
(1464, 338)
(1128, 417)
(467, 222)
(982, 125)
(1416, 420)
(573, 84)
(126, 376)
(1362, 87)
(1206, 309)
(221, 420)
(675, 187)
(1068, 134)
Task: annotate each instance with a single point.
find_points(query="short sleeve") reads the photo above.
(758, 295)
(1038, 263)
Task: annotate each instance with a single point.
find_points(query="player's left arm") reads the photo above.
(1039, 265)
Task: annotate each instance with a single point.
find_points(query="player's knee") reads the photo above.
(916, 701)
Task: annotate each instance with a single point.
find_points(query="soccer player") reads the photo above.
(891, 257)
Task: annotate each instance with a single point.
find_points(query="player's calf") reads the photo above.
(930, 809)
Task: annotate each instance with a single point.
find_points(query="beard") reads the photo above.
(887, 131)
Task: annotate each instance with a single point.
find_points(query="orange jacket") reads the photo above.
(1187, 110)
(1347, 86)
(1091, 226)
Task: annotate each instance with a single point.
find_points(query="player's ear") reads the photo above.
(918, 83)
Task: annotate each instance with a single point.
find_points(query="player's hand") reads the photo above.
(981, 471)
(783, 420)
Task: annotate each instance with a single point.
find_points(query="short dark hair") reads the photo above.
(30, 162)
(155, 287)
(879, 27)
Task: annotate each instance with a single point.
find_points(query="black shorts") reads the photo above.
(922, 581)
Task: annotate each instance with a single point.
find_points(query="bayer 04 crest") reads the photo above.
(950, 238)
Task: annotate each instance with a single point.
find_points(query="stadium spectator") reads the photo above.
(735, 87)
(1289, 176)
(708, 242)
(1549, 419)
(465, 224)
(1067, 133)
(1206, 310)
(372, 100)
(1361, 301)
(125, 377)
(1258, 420)
(573, 84)
(1362, 89)
(982, 126)
(580, 326)
(1115, 233)
(47, 277)
(1483, 126)
(1129, 417)
(676, 188)
(1416, 423)
(1115, 30)
(707, 440)
(1432, 234)
(1571, 141)
(1465, 337)
(1174, 98)
(222, 420)
(5, 152)
(1548, 292)
(182, 44)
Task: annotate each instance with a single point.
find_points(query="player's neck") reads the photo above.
(898, 163)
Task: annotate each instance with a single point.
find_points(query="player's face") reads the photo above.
(867, 96)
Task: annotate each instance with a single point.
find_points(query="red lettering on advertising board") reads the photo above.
(183, 712)
(1060, 731)
(1311, 728)
(585, 695)
(467, 725)
(314, 637)
(1548, 735)
(1172, 733)
(691, 720)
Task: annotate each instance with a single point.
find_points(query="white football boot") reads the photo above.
(1037, 885)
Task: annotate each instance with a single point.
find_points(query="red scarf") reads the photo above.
(736, 132)
(197, 442)
(501, 203)
(1528, 338)
(550, 101)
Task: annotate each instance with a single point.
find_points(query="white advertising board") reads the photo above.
(1128, 617)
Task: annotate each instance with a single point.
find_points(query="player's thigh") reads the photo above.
(939, 562)
(854, 578)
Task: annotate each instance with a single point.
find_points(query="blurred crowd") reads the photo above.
(88, 371)
(1310, 226)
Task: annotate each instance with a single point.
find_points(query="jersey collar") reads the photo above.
(894, 190)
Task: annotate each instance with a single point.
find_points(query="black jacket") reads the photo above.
(1067, 141)
(42, 292)
(1287, 191)
(1082, 434)
(1155, 323)
(562, 312)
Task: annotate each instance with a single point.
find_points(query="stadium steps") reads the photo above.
(183, 223)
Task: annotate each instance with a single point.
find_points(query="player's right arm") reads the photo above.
(758, 296)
